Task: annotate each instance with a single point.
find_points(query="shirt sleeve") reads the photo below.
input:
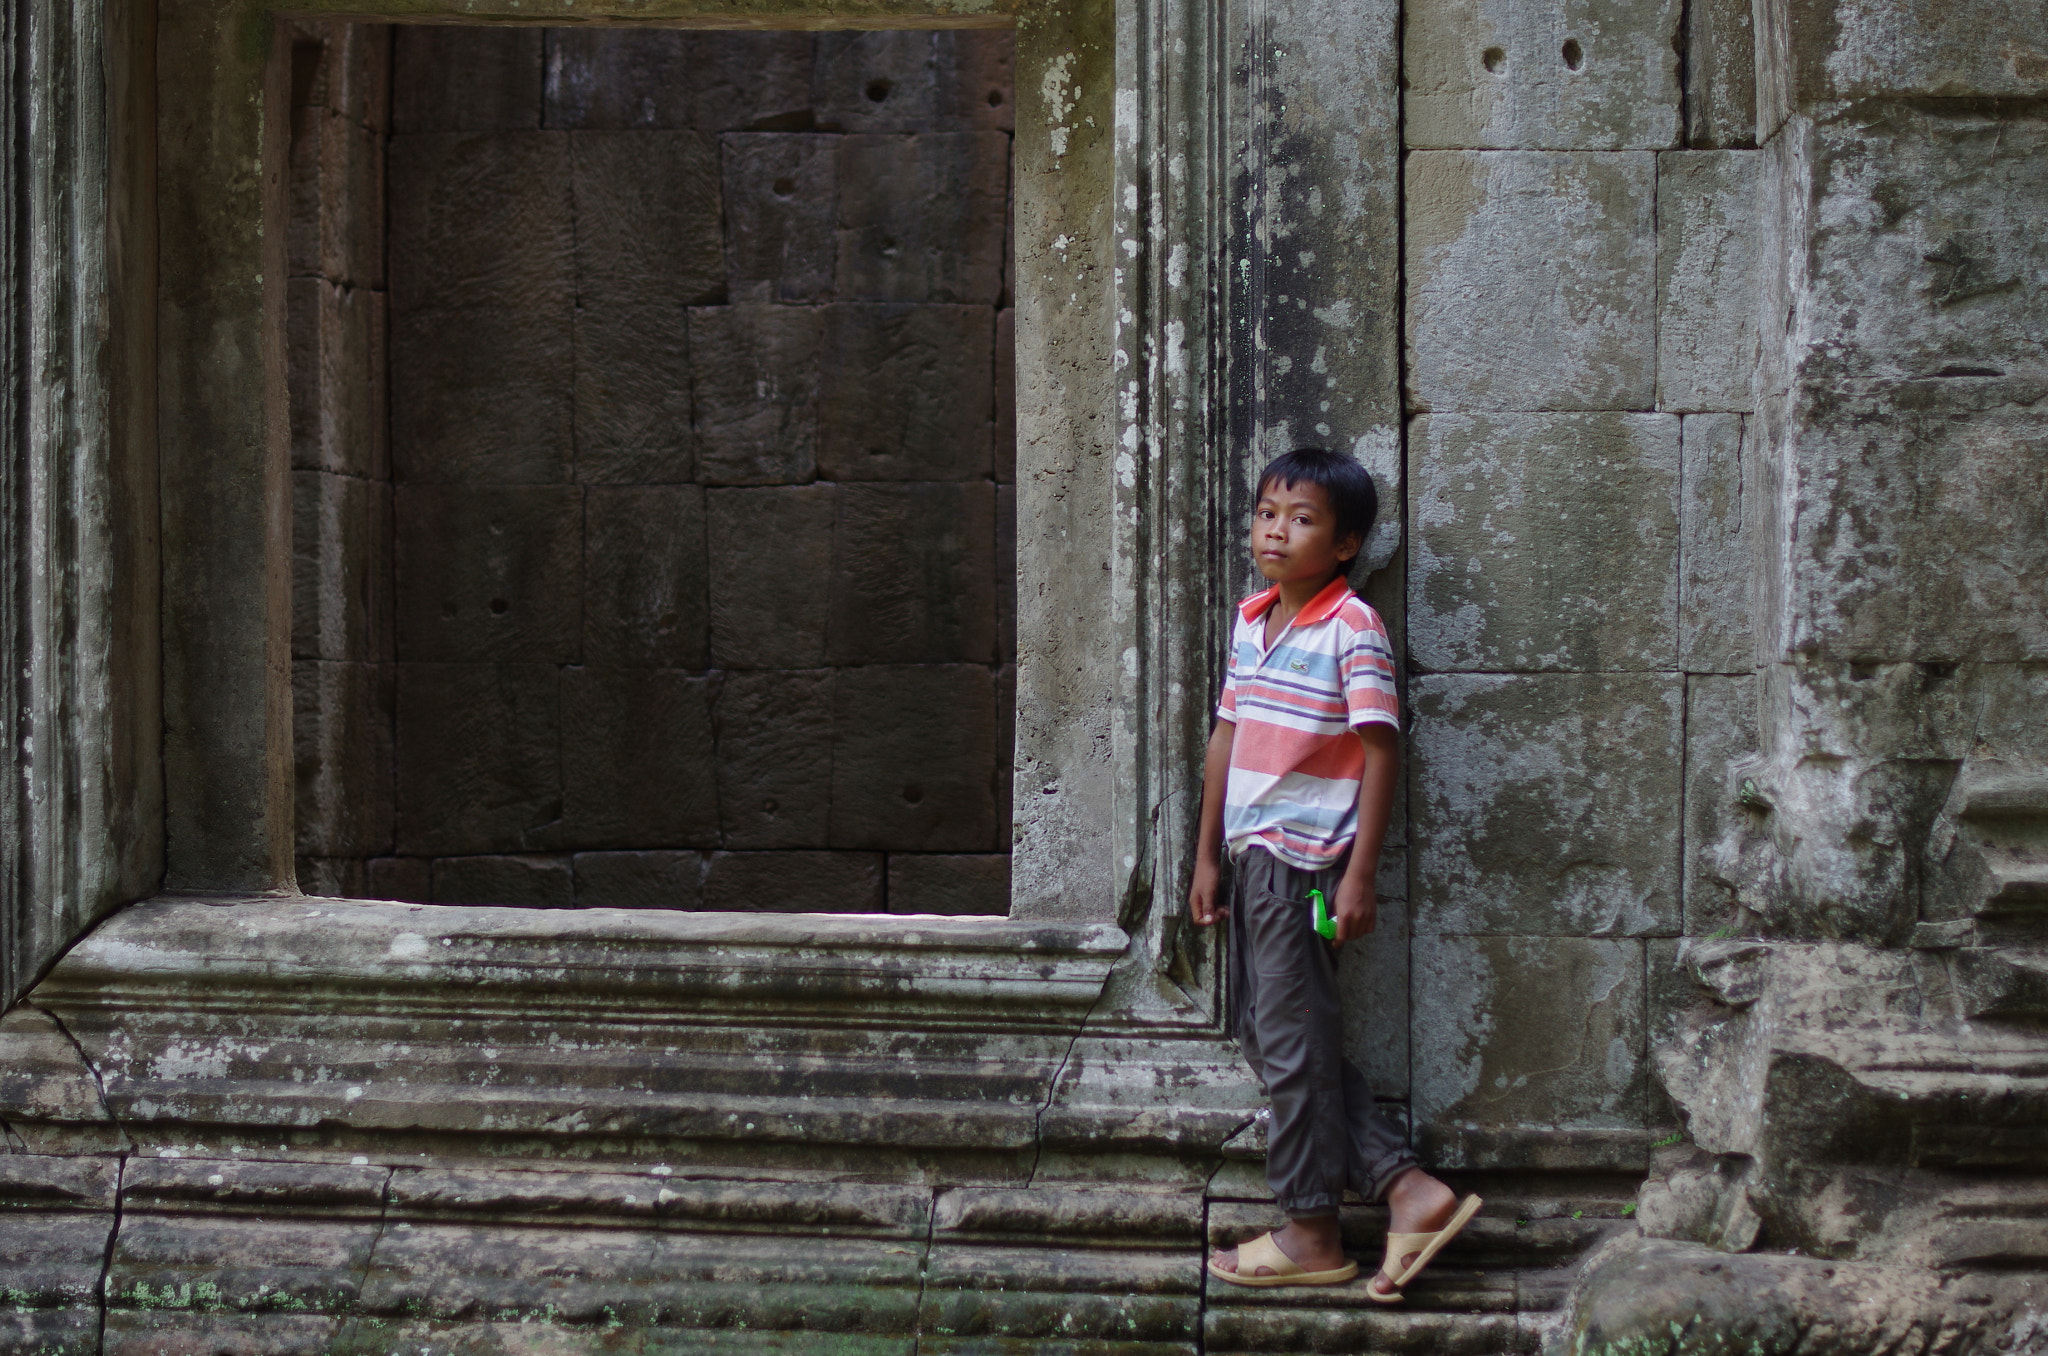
(1226, 708)
(1367, 668)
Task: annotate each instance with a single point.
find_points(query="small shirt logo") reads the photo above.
(1298, 665)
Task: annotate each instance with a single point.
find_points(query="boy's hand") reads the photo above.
(1358, 908)
(1205, 904)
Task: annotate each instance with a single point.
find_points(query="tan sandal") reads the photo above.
(1424, 1246)
(1264, 1252)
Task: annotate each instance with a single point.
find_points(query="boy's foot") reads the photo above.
(1418, 1204)
(1311, 1244)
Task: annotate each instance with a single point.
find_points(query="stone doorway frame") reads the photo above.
(148, 630)
(184, 417)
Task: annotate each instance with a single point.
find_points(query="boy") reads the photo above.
(1298, 784)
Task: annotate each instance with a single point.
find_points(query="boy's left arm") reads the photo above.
(1357, 901)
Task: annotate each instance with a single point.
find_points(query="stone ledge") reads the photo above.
(306, 954)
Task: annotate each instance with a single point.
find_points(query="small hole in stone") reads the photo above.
(768, 807)
(913, 793)
(1494, 58)
(1861, 671)
(1574, 55)
(500, 607)
(878, 90)
(995, 98)
(878, 451)
(783, 187)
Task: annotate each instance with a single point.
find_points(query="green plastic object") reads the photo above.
(1326, 926)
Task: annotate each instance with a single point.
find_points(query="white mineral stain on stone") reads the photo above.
(407, 946)
(1060, 100)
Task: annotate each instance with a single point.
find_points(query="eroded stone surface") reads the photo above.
(1544, 541)
(1529, 1031)
(1706, 278)
(644, 598)
(905, 393)
(637, 759)
(1510, 74)
(1717, 545)
(1531, 280)
(632, 396)
(490, 572)
(1546, 803)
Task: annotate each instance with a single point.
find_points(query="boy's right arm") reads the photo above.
(1205, 904)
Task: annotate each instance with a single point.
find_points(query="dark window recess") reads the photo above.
(653, 467)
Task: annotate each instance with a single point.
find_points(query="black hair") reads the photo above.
(1347, 485)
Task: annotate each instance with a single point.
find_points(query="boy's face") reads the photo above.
(1294, 534)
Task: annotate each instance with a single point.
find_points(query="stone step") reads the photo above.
(2001, 983)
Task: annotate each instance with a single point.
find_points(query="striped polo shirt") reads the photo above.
(1295, 762)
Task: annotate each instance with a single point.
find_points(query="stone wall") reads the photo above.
(1579, 344)
(700, 583)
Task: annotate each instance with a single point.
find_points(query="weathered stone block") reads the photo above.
(1966, 572)
(480, 219)
(974, 78)
(1707, 261)
(876, 81)
(490, 572)
(331, 877)
(1509, 73)
(353, 75)
(1720, 76)
(450, 78)
(1532, 280)
(479, 757)
(1546, 803)
(913, 758)
(948, 883)
(778, 620)
(526, 882)
(1720, 728)
(921, 218)
(1940, 203)
(619, 78)
(1544, 541)
(905, 393)
(330, 358)
(337, 199)
(647, 218)
(638, 770)
(794, 882)
(775, 758)
(780, 191)
(755, 380)
(1901, 48)
(341, 757)
(1528, 1031)
(639, 880)
(1372, 976)
(913, 574)
(751, 81)
(645, 599)
(497, 411)
(341, 567)
(1006, 395)
(1006, 573)
(407, 879)
(1717, 548)
(912, 80)
(632, 396)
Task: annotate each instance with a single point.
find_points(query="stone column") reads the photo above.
(1547, 667)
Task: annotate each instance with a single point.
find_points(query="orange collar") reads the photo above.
(1320, 608)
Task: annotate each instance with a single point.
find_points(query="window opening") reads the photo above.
(653, 467)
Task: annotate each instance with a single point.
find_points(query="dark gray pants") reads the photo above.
(1325, 1135)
